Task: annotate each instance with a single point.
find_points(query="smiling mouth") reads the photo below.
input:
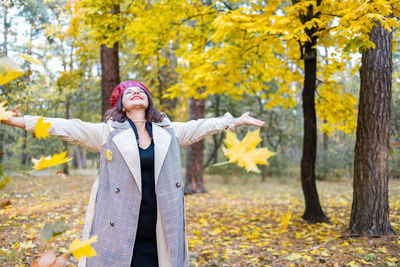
(136, 97)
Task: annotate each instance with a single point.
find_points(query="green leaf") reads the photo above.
(370, 257)
(52, 230)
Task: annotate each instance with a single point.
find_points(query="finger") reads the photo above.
(257, 120)
(16, 109)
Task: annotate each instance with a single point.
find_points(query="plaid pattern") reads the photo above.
(116, 213)
(171, 201)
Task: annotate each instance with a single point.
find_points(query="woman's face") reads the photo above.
(134, 98)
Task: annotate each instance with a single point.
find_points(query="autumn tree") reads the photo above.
(370, 208)
(279, 41)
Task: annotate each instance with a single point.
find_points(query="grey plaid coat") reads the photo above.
(114, 204)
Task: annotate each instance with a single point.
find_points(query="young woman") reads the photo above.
(136, 206)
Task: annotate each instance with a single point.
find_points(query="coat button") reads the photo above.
(178, 184)
(117, 190)
(112, 223)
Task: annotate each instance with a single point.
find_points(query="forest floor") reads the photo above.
(236, 224)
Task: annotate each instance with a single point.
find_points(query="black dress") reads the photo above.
(145, 248)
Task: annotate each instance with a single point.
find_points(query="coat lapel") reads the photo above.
(162, 140)
(126, 144)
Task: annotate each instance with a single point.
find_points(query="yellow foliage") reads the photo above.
(41, 128)
(285, 220)
(45, 162)
(82, 249)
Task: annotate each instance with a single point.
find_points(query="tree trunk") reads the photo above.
(84, 159)
(78, 158)
(68, 115)
(325, 140)
(109, 71)
(194, 161)
(313, 212)
(23, 148)
(168, 77)
(5, 34)
(24, 155)
(5, 25)
(370, 207)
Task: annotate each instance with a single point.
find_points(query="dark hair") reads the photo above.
(116, 113)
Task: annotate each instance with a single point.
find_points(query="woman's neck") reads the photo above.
(138, 117)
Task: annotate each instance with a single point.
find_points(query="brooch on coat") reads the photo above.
(109, 155)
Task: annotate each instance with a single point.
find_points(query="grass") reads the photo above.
(237, 223)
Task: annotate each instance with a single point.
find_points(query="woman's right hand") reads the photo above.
(15, 119)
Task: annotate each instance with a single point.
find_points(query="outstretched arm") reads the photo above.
(195, 130)
(85, 134)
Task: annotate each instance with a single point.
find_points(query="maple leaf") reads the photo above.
(41, 128)
(9, 70)
(45, 162)
(82, 249)
(245, 152)
(4, 114)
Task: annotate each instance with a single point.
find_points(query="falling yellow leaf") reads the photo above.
(82, 249)
(4, 114)
(41, 128)
(29, 58)
(109, 155)
(245, 152)
(285, 220)
(45, 162)
(9, 70)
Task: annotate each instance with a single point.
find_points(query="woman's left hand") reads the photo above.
(245, 119)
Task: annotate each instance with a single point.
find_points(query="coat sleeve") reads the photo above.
(85, 134)
(196, 130)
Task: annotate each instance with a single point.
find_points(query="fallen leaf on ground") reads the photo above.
(49, 259)
(61, 174)
(285, 220)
